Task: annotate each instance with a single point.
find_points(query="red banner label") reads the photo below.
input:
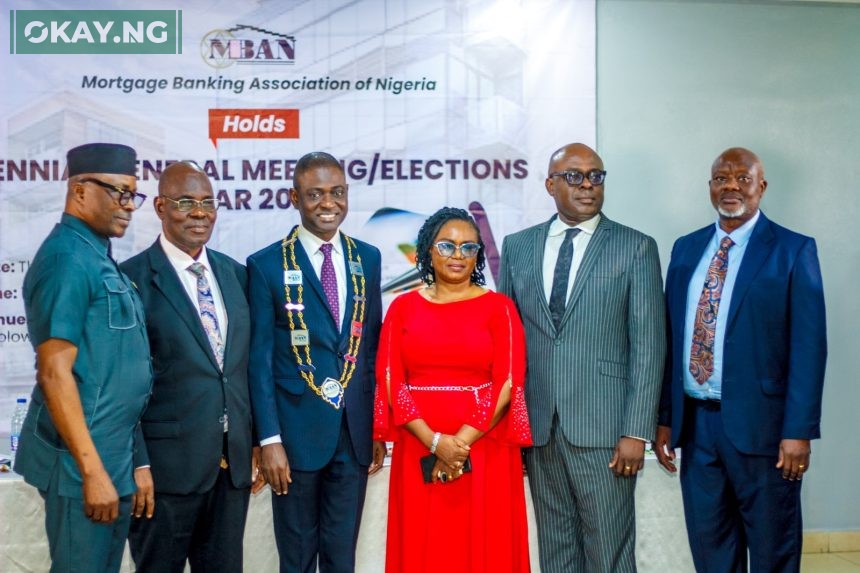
(253, 124)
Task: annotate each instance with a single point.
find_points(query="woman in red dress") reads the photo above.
(450, 371)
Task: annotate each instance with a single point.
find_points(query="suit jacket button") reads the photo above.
(224, 379)
(558, 342)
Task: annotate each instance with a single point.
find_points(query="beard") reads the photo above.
(739, 212)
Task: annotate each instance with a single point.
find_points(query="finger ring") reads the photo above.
(460, 472)
(443, 477)
(801, 466)
(627, 467)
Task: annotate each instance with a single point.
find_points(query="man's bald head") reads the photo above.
(739, 154)
(177, 173)
(572, 150)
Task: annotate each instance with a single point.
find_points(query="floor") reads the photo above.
(830, 562)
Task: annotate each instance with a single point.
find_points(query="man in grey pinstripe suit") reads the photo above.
(590, 294)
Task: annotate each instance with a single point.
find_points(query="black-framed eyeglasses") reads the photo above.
(184, 205)
(574, 177)
(467, 250)
(119, 194)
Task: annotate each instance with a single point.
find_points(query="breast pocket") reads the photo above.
(120, 305)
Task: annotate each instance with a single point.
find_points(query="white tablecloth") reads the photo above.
(661, 543)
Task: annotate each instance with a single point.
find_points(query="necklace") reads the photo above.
(331, 390)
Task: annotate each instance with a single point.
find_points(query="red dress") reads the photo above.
(476, 523)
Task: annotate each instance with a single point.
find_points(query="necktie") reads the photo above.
(561, 276)
(208, 317)
(702, 352)
(329, 281)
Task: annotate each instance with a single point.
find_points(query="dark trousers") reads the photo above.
(206, 529)
(317, 522)
(736, 503)
(78, 544)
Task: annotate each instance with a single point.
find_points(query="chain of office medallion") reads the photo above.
(357, 312)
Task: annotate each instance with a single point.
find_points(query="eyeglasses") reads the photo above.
(119, 194)
(185, 205)
(596, 176)
(447, 249)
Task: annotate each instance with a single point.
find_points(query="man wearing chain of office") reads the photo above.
(315, 316)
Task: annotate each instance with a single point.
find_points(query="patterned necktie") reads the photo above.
(329, 281)
(704, 327)
(208, 316)
(561, 276)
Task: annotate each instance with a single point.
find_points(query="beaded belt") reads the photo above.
(473, 389)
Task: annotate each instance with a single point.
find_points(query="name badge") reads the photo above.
(292, 277)
(299, 337)
(355, 268)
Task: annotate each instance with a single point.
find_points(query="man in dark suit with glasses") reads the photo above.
(194, 459)
(596, 340)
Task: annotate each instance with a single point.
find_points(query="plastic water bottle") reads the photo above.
(17, 421)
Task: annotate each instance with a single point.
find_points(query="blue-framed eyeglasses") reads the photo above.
(467, 250)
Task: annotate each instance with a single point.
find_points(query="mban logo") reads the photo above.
(247, 45)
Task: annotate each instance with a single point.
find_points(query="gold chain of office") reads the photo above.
(358, 309)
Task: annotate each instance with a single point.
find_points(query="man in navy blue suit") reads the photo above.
(316, 311)
(744, 376)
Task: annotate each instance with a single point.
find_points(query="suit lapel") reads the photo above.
(690, 258)
(230, 293)
(165, 280)
(591, 256)
(538, 249)
(757, 252)
(350, 302)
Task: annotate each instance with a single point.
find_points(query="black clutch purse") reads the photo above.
(427, 463)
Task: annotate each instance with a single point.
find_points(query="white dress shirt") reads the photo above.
(554, 239)
(312, 246)
(180, 260)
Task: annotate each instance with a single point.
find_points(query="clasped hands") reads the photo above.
(451, 454)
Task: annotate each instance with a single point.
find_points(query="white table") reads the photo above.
(661, 543)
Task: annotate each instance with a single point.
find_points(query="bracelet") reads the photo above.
(435, 442)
